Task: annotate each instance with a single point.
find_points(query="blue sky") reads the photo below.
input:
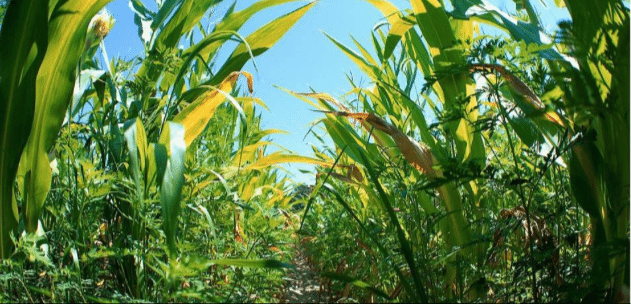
(304, 58)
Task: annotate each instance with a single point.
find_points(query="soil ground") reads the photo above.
(304, 284)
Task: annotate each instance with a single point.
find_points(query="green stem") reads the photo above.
(525, 203)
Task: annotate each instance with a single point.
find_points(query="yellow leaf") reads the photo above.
(196, 116)
(279, 158)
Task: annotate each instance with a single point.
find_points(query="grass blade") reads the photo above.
(406, 249)
(384, 252)
(356, 282)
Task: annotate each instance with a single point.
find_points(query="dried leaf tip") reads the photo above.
(326, 97)
(248, 76)
(235, 75)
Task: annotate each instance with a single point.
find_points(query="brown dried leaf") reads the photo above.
(354, 172)
(418, 155)
(248, 76)
(237, 230)
(520, 87)
(363, 245)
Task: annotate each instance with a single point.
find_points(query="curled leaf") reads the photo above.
(417, 154)
(521, 88)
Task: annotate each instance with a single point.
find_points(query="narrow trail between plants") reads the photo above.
(303, 283)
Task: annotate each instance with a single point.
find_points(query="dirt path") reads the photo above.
(303, 284)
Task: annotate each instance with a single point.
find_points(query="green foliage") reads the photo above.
(471, 168)
(17, 101)
(128, 201)
(515, 148)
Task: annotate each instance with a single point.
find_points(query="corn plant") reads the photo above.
(452, 91)
(444, 55)
(594, 28)
(154, 118)
(39, 70)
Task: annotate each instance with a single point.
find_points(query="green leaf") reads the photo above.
(396, 34)
(23, 42)
(55, 83)
(202, 106)
(191, 265)
(142, 19)
(398, 25)
(194, 51)
(172, 138)
(586, 164)
(418, 52)
(157, 158)
(370, 69)
(188, 13)
(383, 250)
(441, 35)
(526, 131)
(589, 17)
(165, 11)
(137, 146)
(416, 114)
(232, 22)
(280, 157)
(183, 20)
(485, 12)
(260, 41)
(364, 52)
(139, 8)
(356, 282)
(437, 31)
(404, 244)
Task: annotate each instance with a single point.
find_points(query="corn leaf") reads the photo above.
(586, 164)
(370, 69)
(182, 21)
(260, 41)
(22, 51)
(136, 139)
(201, 109)
(279, 157)
(396, 34)
(171, 185)
(232, 23)
(55, 83)
(398, 25)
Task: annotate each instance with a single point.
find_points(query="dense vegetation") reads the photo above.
(471, 168)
